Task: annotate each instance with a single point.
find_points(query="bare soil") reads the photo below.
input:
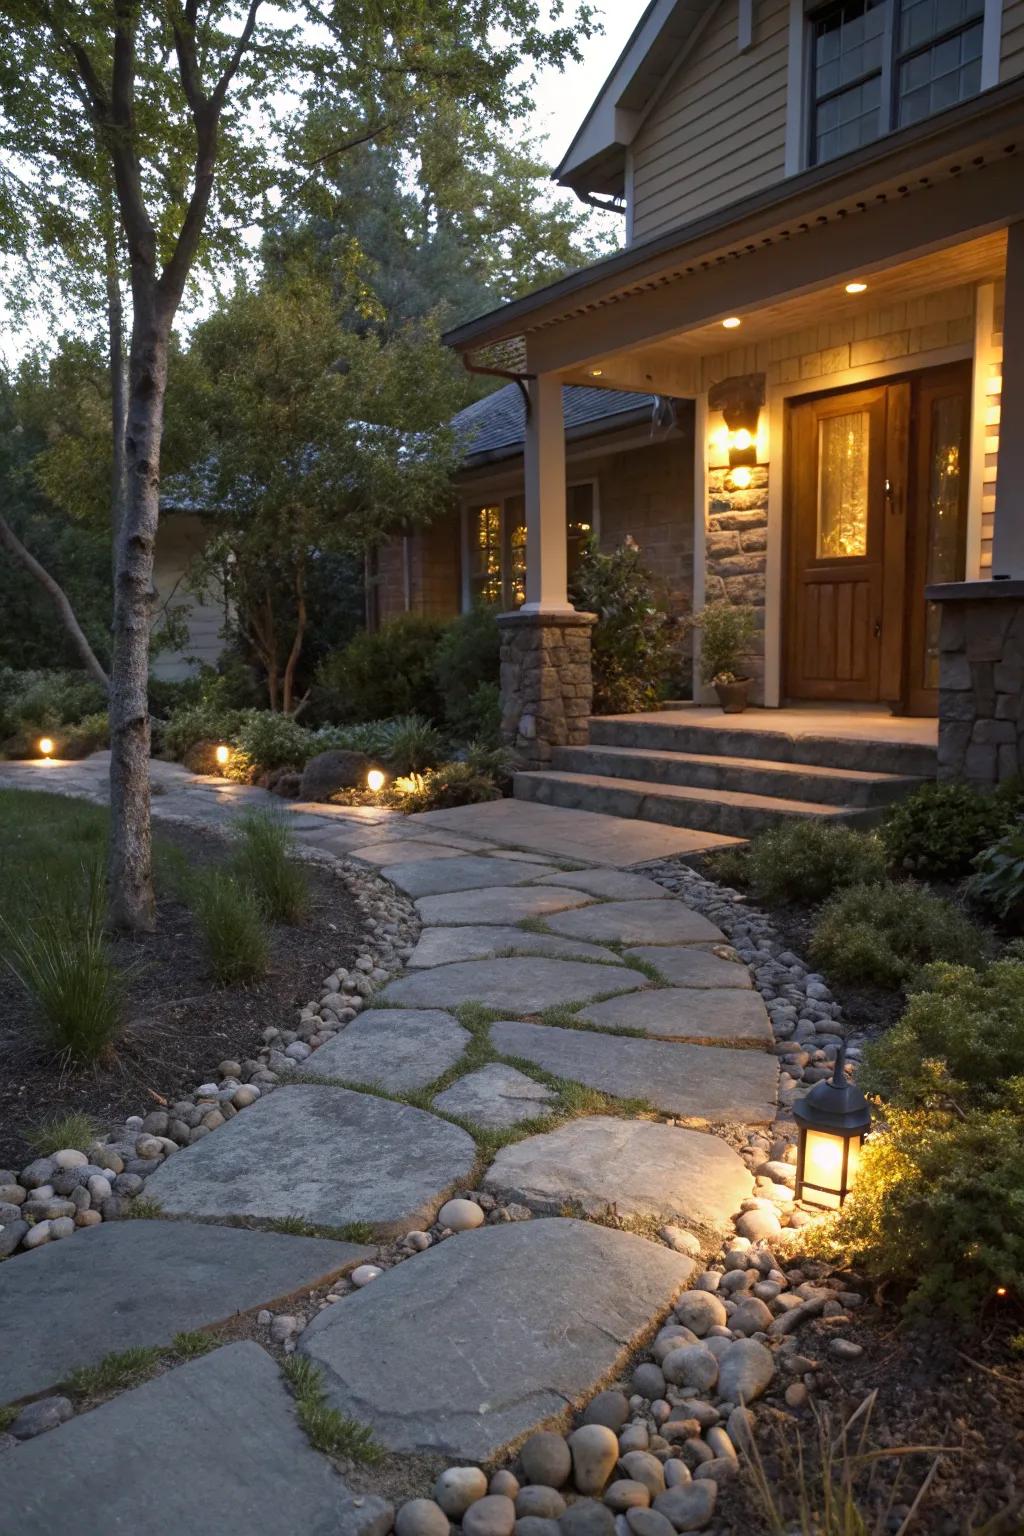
(180, 1023)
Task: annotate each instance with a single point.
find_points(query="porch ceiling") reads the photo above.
(672, 366)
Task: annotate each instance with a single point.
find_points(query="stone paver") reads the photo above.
(402, 850)
(704, 1084)
(499, 904)
(467, 873)
(141, 1282)
(400, 1049)
(705, 1015)
(496, 1096)
(214, 1446)
(524, 984)
(471, 1345)
(640, 1168)
(637, 922)
(612, 884)
(687, 966)
(444, 946)
(326, 1155)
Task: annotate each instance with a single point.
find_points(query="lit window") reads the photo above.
(496, 538)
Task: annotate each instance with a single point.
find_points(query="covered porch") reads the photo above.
(859, 437)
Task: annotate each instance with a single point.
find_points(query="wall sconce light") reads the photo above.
(739, 478)
(46, 746)
(223, 755)
(833, 1119)
(375, 781)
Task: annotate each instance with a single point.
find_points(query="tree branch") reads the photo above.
(16, 549)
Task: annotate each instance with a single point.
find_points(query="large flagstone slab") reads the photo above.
(704, 1015)
(212, 1446)
(467, 873)
(706, 1084)
(637, 922)
(496, 1096)
(500, 904)
(612, 884)
(127, 1283)
(444, 946)
(326, 1155)
(518, 984)
(637, 1166)
(471, 1345)
(398, 1049)
(688, 966)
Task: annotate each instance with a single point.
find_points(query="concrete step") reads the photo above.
(728, 812)
(905, 758)
(743, 775)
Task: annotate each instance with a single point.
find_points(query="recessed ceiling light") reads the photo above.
(596, 373)
(856, 287)
(732, 322)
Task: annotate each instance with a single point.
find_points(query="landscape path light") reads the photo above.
(833, 1119)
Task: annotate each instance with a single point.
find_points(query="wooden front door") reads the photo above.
(847, 456)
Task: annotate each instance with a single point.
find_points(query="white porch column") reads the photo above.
(544, 477)
(1008, 540)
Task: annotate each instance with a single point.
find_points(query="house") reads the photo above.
(196, 620)
(628, 471)
(824, 212)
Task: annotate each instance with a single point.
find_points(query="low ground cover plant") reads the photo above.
(802, 861)
(997, 884)
(882, 935)
(445, 788)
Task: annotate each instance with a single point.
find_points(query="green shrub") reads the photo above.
(727, 633)
(445, 788)
(265, 861)
(58, 950)
(494, 762)
(881, 935)
(466, 669)
(232, 926)
(632, 654)
(960, 1041)
(90, 734)
(389, 672)
(936, 832)
(189, 724)
(998, 881)
(265, 740)
(805, 861)
(938, 1208)
(47, 699)
(409, 744)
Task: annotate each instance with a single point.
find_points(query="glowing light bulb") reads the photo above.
(742, 439)
(856, 287)
(375, 781)
(46, 746)
(740, 477)
(222, 755)
(731, 323)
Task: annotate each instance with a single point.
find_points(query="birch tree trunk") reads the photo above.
(118, 389)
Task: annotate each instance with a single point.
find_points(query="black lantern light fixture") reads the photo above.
(834, 1117)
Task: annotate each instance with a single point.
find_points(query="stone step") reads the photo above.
(758, 776)
(676, 805)
(833, 751)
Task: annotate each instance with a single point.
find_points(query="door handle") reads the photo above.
(876, 629)
(895, 504)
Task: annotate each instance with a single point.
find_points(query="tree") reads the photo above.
(180, 99)
(318, 441)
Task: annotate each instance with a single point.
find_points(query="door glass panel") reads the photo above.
(843, 486)
(944, 516)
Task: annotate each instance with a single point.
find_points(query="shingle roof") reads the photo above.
(496, 425)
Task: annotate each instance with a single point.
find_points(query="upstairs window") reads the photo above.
(878, 65)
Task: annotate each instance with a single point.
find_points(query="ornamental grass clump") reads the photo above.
(232, 925)
(265, 861)
(882, 935)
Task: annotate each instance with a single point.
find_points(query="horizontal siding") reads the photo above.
(1011, 52)
(180, 538)
(718, 131)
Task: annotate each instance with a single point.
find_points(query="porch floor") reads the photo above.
(839, 722)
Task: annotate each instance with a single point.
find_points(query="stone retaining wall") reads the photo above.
(736, 554)
(547, 690)
(981, 682)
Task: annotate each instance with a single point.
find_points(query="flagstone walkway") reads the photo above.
(529, 980)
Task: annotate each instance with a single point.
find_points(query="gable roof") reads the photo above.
(495, 427)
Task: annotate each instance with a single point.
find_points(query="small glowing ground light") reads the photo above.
(375, 781)
(46, 748)
(223, 756)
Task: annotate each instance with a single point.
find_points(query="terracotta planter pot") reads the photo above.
(734, 697)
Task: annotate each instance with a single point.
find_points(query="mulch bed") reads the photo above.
(180, 1023)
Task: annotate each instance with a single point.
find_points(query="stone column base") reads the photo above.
(981, 680)
(547, 690)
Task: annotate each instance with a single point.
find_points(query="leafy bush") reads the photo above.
(265, 861)
(632, 650)
(882, 935)
(409, 744)
(466, 669)
(91, 734)
(188, 724)
(264, 741)
(998, 881)
(727, 631)
(445, 788)
(59, 953)
(232, 926)
(387, 673)
(937, 831)
(938, 1207)
(494, 762)
(960, 1041)
(46, 699)
(805, 861)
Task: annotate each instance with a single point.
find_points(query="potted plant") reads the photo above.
(727, 630)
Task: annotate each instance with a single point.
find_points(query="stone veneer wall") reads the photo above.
(736, 554)
(981, 684)
(547, 690)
